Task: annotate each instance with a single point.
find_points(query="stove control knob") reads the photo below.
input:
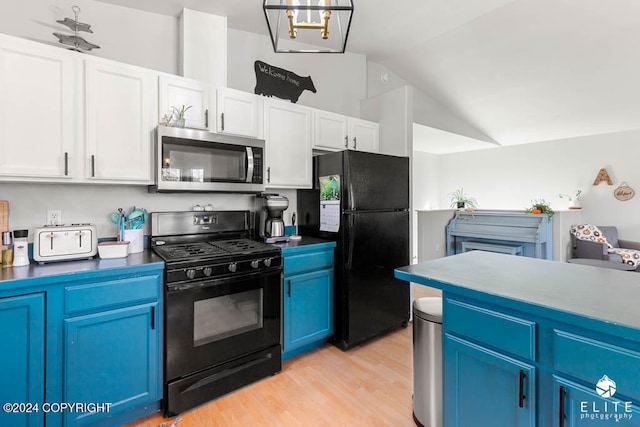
(267, 262)
(207, 271)
(233, 267)
(255, 263)
(190, 273)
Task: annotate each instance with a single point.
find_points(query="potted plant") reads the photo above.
(180, 115)
(460, 200)
(574, 203)
(540, 206)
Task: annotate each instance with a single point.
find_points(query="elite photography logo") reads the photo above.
(606, 387)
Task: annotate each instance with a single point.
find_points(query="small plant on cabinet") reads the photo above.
(460, 200)
(540, 206)
(180, 115)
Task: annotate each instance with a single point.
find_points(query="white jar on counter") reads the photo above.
(20, 248)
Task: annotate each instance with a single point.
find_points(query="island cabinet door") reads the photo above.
(22, 360)
(575, 405)
(486, 388)
(112, 357)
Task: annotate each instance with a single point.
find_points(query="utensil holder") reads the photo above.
(136, 240)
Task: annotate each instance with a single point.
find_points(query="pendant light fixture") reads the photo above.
(308, 26)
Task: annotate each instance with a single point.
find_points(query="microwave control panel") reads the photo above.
(257, 166)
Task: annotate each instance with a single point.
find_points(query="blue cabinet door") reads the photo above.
(308, 309)
(112, 357)
(577, 406)
(22, 358)
(486, 388)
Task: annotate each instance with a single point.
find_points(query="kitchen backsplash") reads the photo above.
(28, 203)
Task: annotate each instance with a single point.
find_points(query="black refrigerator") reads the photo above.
(361, 201)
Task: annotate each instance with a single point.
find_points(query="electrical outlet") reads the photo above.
(54, 217)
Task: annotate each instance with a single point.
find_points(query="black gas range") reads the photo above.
(215, 258)
(222, 305)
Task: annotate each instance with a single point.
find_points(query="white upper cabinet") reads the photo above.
(330, 131)
(239, 113)
(337, 132)
(120, 103)
(288, 142)
(38, 92)
(177, 91)
(363, 135)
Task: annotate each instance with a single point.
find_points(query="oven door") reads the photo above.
(214, 321)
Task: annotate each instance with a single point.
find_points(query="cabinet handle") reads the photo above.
(206, 118)
(354, 143)
(346, 141)
(93, 165)
(289, 288)
(153, 317)
(222, 122)
(561, 411)
(66, 163)
(521, 395)
(269, 174)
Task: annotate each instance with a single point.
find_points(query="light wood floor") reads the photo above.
(370, 385)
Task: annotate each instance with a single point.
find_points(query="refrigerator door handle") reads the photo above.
(351, 242)
(352, 206)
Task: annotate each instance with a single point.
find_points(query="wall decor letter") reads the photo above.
(274, 81)
(602, 176)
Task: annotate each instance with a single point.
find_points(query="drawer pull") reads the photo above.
(561, 411)
(521, 395)
(153, 317)
(289, 288)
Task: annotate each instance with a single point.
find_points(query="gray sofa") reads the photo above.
(595, 250)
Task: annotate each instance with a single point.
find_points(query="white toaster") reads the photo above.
(61, 243)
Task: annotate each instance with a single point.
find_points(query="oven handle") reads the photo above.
(211, 282)
(249, 164)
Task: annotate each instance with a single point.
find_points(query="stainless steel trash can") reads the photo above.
(427, 361)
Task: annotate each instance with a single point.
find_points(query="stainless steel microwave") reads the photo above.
(198, 160)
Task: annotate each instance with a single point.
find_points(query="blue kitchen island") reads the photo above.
(532, 342)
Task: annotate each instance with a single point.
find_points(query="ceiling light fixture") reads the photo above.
(328, 20)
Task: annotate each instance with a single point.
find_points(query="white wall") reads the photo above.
(28, 203)
(340, 80)
(394, 112)
(511, 177)
(128, 35)
(429, 112)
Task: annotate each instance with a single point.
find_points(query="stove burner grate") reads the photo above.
(211, 249)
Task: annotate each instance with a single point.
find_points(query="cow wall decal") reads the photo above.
(274, 81)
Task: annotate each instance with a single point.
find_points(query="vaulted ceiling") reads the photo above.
(519, 71)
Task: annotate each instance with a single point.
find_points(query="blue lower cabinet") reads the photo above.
(483, 387)
(22, 375)
(575, 405)
(308, 311)
(111, 357)
(307, 320)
